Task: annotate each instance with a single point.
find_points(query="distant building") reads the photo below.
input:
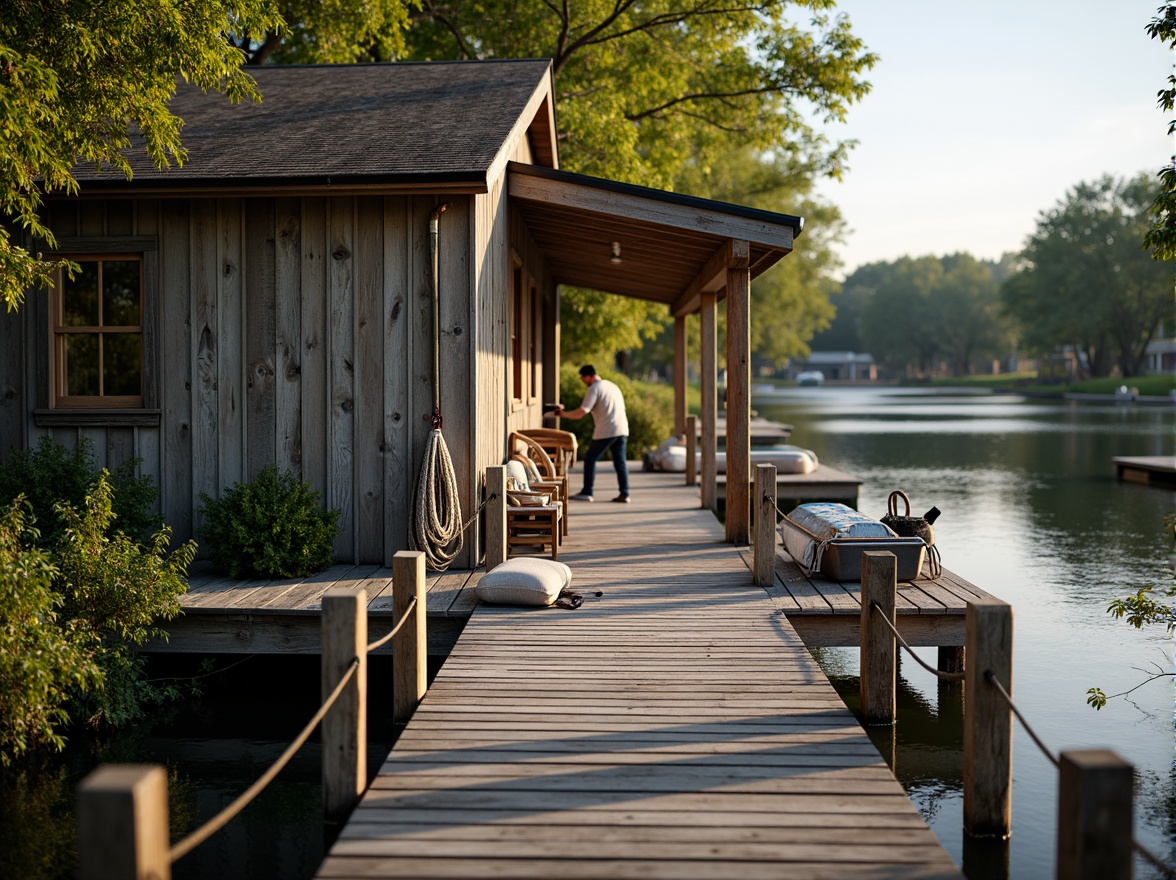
(1161, 356)
(837, 366)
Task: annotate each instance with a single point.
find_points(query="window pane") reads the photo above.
(79, 296)
(81, 365)
(120, 293)
(122, 363)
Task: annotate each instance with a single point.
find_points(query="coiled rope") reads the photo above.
(436, 510)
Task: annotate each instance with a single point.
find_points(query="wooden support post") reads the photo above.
(738, 403)
(988, 720)
(344, 728)
(122, 824)
(1095, 815)
(495, 517)
(691, 450)
(951, 659)
(878, 675)
(680, 370)
(764, 498)
(409, 662)
(709, 404)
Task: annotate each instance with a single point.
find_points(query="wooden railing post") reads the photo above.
(988, 720)
(122, 824)
(878, 675)
(1094, 816)
(409, 648)
(691, 450)
(495, 517)
(764, 497)
(344, 728)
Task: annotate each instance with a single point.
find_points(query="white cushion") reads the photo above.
(524, 581)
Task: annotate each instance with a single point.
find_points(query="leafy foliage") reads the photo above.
(649, 407)
(329, 32)
(42, 659)
(1160, 238)
(115, 592)
(918, 312)
(76, 79)
(273, 526)
(1085, 282)
(50, 474)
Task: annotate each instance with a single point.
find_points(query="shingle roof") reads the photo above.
(355, 123)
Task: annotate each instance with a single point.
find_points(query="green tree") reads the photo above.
(1161, 236)
(1085, 282)
(329, 32)
(898, 322)
(967, 305)
(76, 79)
(698, 96)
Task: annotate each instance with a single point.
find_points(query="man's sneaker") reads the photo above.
(623, 498)
(583, 496)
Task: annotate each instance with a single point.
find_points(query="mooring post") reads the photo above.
(344, 727)
(691, 450)
(764, 495)
(1095, 818)
(409, 648)
(878, 675)
(122, 824)
(988, 720)
(495, 517)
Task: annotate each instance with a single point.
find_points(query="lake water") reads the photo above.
(1032, 512)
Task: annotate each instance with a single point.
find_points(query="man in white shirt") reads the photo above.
(607, 405)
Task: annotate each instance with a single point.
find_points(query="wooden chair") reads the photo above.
(560, 446)
(524, 446)
(530, 524)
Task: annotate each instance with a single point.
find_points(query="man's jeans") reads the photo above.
(596, 449)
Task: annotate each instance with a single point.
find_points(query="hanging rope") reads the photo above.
(436, 509)
(435, 523)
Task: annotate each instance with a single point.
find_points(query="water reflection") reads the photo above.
(1032, 513)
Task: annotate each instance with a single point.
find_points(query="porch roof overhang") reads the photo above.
(672, 247)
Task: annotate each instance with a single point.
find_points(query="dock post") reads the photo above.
(988, 720)
(344, 727)
(878, 675)
(691, 450)
(409, 663)
(765, 524)
(123, 825)
(1094, 815)
(495, 517)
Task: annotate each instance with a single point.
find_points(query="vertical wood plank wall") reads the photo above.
(299, 331)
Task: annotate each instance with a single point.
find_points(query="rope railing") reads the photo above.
(217, 822)
(1138, 847)
(407, 615)
(938, 673)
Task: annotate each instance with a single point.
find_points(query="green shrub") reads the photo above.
(114, 593)
(51, 474)
(272, 527)
(40, 663)
(650, 409)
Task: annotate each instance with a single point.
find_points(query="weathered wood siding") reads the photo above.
(295, 331)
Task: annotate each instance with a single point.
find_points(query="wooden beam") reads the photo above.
(647, 208)
(732, 254)
(680, 369)
(709, 403)
(738, 405)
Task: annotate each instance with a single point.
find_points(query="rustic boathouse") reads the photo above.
(271, 299)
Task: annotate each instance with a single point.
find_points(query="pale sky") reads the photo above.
(984, 114)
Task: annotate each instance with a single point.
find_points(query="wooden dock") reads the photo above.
(224, 616)
(823, 484)
(673, 727)
(1150, 470)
